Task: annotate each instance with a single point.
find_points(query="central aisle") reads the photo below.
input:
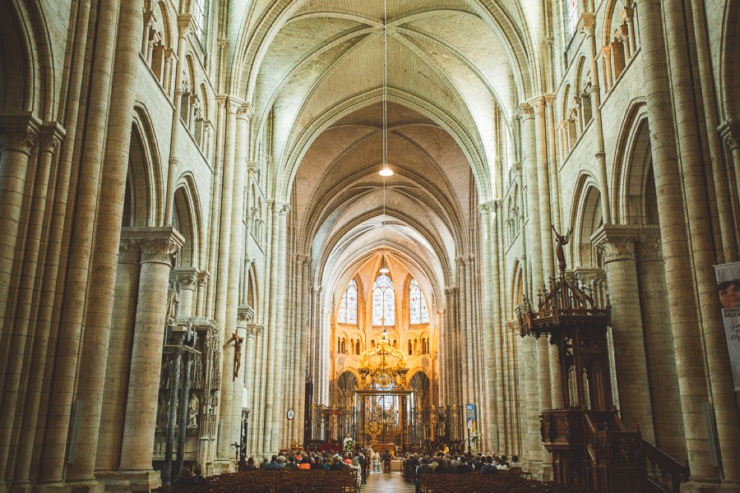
(387, 483)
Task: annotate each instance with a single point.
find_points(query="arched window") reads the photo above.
(348, 308)
(383, 301)
(200, 15)
(571, 12)
(417, 305)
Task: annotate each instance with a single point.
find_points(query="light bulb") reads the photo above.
(385, 171)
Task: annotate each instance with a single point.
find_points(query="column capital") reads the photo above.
(550, 99)
(187, 277)
(588, 21)
(158, 245)
(525, 110)
(490, 206)
(245, 112)
(128, 251)
(254, 330)
(233, 105)
(588, 275)
(51, 135)
(650, 245)
(282, 208)
(203, 277)
(244, 316)
(730, 133)
(615, 242)
(19, 132)
(538, 104)
(183, 23)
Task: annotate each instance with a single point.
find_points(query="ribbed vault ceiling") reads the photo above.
(313, 71)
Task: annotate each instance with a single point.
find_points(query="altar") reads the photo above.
(381, 448)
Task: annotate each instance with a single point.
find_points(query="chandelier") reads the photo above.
(383, 366)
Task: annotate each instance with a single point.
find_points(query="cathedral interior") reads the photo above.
(234, 227)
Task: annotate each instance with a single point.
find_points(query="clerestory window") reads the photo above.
(383, 301)
(348, 307)
(418, 312)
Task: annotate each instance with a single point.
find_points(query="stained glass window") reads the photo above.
(200, 11)
(417, 305)
(383, 301)
(572, 13)
(348, 308)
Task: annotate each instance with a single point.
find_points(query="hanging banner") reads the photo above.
(728, 290)
(471, 419)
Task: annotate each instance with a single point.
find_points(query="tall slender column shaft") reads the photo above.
(699, 228)
(108, 455)
(663, 380)
(71, 333)
(222, 281)
(280, 224)
(684, 321)
(489, 294)
(98, 313)
(18, 138)
(617, 244)
(158, 245)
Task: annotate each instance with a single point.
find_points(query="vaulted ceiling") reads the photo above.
(314, 72)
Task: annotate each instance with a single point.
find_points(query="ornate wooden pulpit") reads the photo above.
(590, 447)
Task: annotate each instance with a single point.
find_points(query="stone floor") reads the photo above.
(386, 483)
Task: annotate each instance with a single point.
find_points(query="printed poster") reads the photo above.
(728, 290)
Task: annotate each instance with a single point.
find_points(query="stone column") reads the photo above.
(692, 151)
(187, 278)
(589, 22)
(692, 376)
(304, 263)
(617, 244)
(22, 324)
(491, 310)
(109, 213)
(222, 284)
(18, 136)
(277, 299)
(158, 246)
(669, 434)
(203, 276)
(181, 65)
(528, 348)
(119, 352)
(250, 369)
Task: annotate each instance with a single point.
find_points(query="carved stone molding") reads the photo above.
(650, 247)
(490, 206)
(254, 330)
(19, 133)
(617, 249)
(51, 135)
(244, 316)
(538, 104)
(526, 111)
(730, 133)
(588, 275)
(158, 245)
(282, 208)
(187, 277)
(245, 112)
(158, 250)
(203, 277)
(128, 251)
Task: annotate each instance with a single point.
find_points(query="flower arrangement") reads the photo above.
(349, 445)
(474, 437)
